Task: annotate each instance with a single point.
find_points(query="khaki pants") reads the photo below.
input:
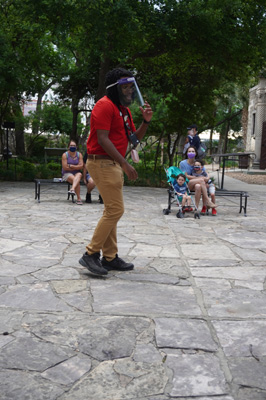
(109, 179)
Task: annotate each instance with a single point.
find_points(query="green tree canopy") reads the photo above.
(182, 52)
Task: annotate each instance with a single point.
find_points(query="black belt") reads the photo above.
(99, 157)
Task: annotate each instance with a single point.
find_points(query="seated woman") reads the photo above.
(195, 184)
(200, 171)
(72, 164)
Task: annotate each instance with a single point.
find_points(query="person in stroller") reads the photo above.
(198, 171)
(180, 187)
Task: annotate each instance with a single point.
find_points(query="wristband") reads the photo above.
(146, 122)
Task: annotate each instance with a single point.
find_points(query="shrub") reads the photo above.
(23, 170)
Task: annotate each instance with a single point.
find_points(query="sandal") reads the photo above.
(79, 203)
(71, 191)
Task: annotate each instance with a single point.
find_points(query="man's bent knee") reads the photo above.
(114, 213)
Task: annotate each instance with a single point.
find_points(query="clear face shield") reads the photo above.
(128, 91)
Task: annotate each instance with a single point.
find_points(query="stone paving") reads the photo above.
(188, 322)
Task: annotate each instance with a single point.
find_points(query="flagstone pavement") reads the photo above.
(188, 322)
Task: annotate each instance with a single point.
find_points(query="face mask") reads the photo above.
(72, 148)
(191, 155)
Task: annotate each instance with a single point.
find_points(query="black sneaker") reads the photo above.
(117, 263)
(93, 263)
(88, 198)
(100, 199)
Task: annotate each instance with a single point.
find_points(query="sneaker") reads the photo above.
(190, 209)
(88, 198)
(214, 212)
(204, 210)
(117, 263)
(93, 264)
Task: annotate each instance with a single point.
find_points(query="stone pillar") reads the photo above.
(260, 118)
(250, 138)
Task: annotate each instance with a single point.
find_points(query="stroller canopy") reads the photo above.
(172, 173)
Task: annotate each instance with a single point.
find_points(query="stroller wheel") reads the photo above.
(166, 211)
(179, 215)
(196, 215)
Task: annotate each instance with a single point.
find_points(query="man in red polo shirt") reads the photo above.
(112, 128)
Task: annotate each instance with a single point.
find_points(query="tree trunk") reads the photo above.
(75, 113)
(211, 134)
(172, 148)
(104, 68)
(226, 133)
(158, 150)
(19, 129)
(36, 122)
(37, 117)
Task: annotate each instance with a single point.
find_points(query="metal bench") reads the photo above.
(244, 160)
(39, 182)
(243, 196)
(58, 181)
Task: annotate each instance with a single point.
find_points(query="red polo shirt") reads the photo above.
(106, 116)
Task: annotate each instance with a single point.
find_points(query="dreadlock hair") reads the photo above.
(112, 77)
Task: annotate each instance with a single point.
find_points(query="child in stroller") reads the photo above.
(181, 191)
(172, 174)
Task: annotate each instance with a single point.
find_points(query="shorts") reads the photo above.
(88, 176)
(66, 176)
(211, 188)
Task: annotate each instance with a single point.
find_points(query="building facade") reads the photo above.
(256, 118)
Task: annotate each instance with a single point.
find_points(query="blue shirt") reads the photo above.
(186, 167)
(180, 189)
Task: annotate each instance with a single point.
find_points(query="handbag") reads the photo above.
(134, 155)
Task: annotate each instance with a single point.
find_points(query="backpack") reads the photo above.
(202, 149)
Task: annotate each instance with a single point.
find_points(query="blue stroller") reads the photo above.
(171, 174)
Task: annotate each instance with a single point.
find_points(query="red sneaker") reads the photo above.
(214, 212)
(204, 210)
(190, 209)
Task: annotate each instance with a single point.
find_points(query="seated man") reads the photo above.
(88, 181)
